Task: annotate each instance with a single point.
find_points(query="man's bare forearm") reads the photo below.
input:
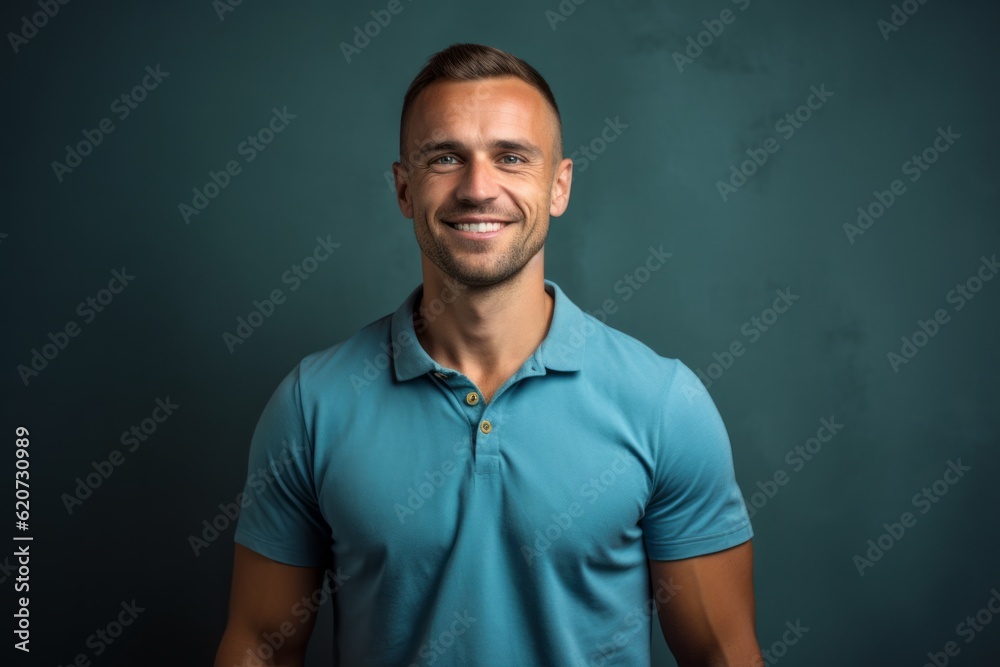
(248, 650)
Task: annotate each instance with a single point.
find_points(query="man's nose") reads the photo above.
(479, 181)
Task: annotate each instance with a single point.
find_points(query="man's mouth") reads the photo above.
(475, 224)
(480, 227)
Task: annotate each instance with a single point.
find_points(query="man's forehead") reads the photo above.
(474, 94)
(506, 101)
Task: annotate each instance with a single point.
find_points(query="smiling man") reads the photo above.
(518, 484)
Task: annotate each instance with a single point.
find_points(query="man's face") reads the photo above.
(482, 152)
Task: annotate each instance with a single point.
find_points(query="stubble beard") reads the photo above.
(502, 267)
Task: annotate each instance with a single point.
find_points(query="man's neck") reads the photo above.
(484, 333)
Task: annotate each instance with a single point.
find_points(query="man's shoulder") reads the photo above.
(333, 367)
(630, 371)
(676, 389)
(626, 356)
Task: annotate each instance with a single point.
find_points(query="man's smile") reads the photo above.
(477, 226)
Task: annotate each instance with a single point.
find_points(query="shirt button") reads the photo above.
(472, 398)
(440, 375)
(486, 426)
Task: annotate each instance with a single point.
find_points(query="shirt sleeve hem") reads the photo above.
(276, 552)
(700, 546)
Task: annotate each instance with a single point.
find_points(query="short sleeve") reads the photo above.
(280, 516)
(696, 506)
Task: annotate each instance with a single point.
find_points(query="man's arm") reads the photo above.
(263, 597)
(710, 620)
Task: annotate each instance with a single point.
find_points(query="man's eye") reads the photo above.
(515, 157)
(444, 157)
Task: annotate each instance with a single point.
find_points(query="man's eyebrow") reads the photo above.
(520, 145)
(434, 146)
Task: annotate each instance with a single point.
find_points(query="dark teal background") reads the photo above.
(324, 175)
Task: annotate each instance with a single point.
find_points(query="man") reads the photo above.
(493, 476)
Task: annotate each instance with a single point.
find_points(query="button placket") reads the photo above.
(487, 436)
(485, 446)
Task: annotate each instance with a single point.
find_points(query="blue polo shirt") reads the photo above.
(510, 532)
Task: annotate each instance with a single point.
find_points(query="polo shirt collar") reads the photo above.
(561, 350)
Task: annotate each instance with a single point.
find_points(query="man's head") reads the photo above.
(480, 139)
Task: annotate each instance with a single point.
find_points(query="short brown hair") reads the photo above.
(474, 62)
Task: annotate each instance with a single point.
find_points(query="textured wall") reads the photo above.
(746, 135)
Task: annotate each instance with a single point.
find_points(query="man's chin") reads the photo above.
(468, 277)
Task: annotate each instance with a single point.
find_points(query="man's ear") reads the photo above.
(402, 190)
(560, 187)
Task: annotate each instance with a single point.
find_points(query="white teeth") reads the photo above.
(479, 227)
